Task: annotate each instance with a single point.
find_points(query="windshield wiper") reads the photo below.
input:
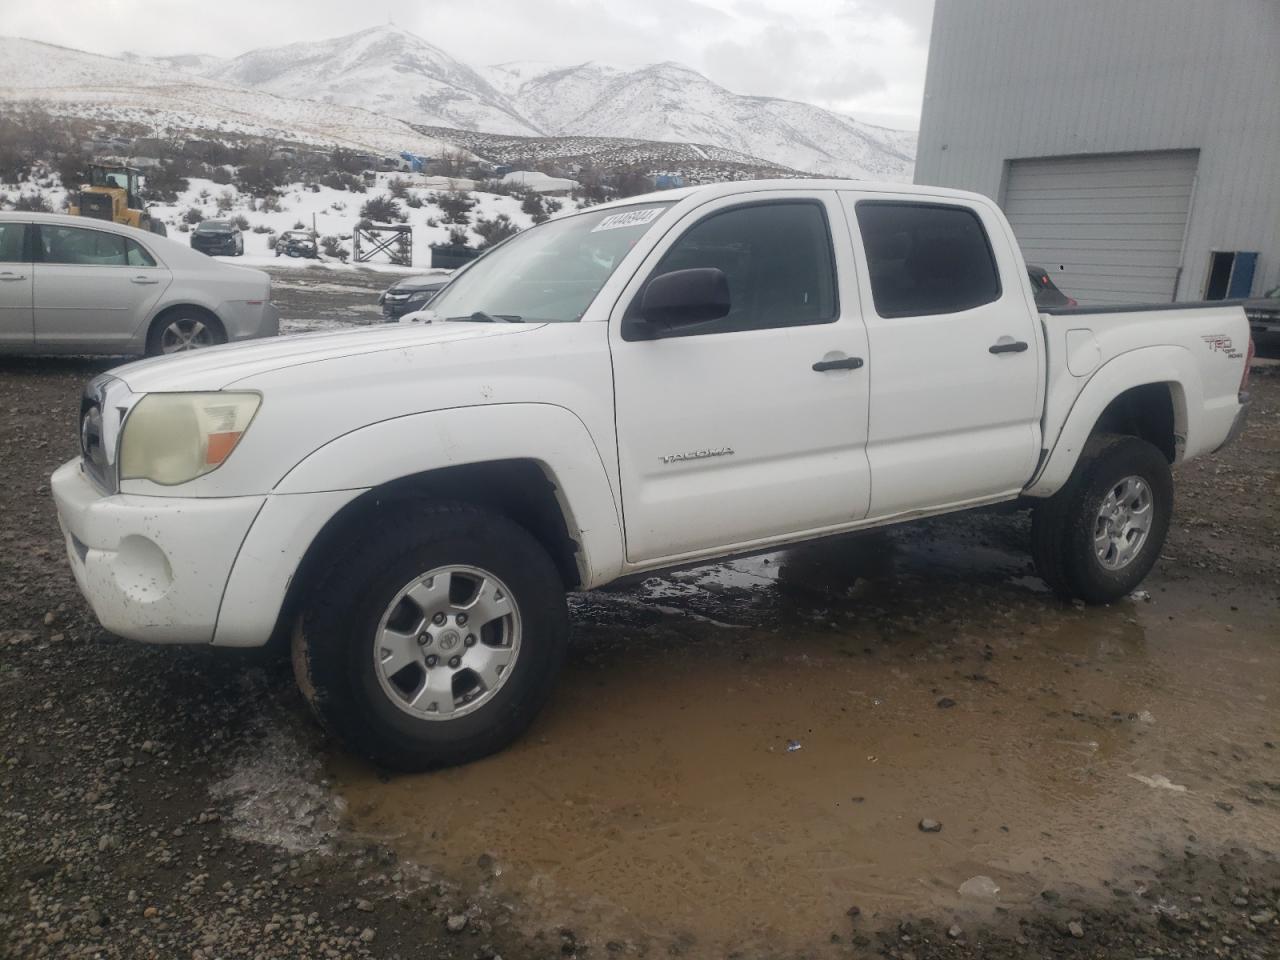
(491, 318)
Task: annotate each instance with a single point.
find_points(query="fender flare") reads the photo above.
(1168, 364)
(549, 435)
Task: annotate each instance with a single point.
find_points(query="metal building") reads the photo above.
(1133, 144)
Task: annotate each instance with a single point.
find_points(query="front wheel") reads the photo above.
(434, 638)
(1100, 535)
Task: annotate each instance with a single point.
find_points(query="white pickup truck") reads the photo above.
(668, 379)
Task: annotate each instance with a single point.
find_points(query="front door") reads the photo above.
(956, 356)
(15, 286)
(92, 288)
(728, 435)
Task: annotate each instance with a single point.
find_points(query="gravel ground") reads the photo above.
(173, 802)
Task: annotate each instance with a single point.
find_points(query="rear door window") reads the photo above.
(11, 242)
(925, 258)
(138, 256)
(78, 245)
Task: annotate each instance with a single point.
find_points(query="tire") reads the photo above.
(338, 639)
(1068, 530)
(184, 319)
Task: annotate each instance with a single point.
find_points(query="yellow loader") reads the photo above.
(115, 192)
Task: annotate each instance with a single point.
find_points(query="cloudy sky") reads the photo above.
(863, 57)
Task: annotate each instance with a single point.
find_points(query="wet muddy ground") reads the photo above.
(738, 761)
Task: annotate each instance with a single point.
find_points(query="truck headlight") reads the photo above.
(170, 438)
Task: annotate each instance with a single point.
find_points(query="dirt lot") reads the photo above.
(737, 762)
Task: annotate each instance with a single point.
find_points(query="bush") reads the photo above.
(226, 200)
(331, 246)
(455, 205)
(192, 216)
(241, 221)
(220, 175)
(496, 230)
(338, 180)
(299, 225)
(259, 228)
(458, 237)
(398, 187)
(269, 203)
(32, 201)
(413, 201)
(382, 209)
(184, 228)
(534, 206)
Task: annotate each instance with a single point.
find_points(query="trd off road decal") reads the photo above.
(1221, 343)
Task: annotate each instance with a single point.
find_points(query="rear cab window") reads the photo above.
(926, 258)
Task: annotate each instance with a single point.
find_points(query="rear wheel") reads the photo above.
(181, 330)
(435, 637)
(1097, 538)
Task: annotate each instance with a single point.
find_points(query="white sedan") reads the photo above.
(80, 285)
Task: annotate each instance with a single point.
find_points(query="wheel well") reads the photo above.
(1146, 412)
(186, 308)
(517, 489)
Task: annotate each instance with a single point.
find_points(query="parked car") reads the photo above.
(72, 285)
(218, 238)
(410, 294)
(644, 384)
(1264, 316)
(1046, 293)
(297, 243)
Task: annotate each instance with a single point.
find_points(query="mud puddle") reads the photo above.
(737, 755)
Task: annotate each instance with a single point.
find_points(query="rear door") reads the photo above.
(727, 432)
(93, 288)
(15, 286)
(955, 361)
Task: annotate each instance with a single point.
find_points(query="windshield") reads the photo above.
(551, 272)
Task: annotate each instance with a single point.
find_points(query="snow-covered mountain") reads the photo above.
(384, 69)
(669, 101)
(167, 100)
(342, 85)
(392, 71)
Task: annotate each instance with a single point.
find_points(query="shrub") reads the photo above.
(226, 200)
(220, 175)
(183, 227)
(241, 221)
(338, 180)
(398, 187)
(260, 228)
(455, 205)
(534, 206)
(269, 203)
(32, 201)
(458, 237)
(413, 201)
(192, 216)
(496, 230)
(382, 209)
(331, 246)
(299, 225)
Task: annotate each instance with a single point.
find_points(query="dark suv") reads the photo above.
(410, 294)
(217, 238)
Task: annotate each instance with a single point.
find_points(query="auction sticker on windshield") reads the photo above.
(631, 218)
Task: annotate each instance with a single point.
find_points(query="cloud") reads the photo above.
(866, 57)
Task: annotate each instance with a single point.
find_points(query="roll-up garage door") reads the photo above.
(1108, 228)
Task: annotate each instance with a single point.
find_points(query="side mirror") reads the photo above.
(684, 297)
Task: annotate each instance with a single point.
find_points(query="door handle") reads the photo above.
(846, 363)
(1008, 346)
(10, 275)
(145, 280)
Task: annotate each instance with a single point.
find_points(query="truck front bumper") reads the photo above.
(152, 568)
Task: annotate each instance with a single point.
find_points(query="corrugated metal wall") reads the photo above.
(1011, 79)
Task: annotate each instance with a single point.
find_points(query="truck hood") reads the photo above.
(215, 368)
